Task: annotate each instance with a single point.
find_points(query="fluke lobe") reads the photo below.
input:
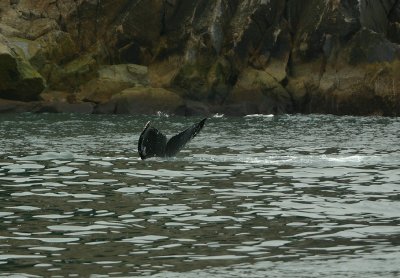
(153, 143)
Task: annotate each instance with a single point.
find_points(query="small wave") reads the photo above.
(297, 159)
(218, 115)
(259, 116)
(352, 158)
(49, 156)
(240, 158)
(162, 114)
(67, 156)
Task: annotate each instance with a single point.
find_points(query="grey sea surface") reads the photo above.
(255, 196)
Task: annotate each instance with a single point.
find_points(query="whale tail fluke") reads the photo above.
(178, 142)
(153, 143)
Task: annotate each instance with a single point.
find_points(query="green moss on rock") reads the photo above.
(18, 79)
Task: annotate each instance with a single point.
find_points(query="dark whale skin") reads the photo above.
(152, 143)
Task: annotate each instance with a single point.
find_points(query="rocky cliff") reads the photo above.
(198, 57)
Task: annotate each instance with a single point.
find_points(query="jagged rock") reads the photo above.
(70, 76)
(112, 80)
(162, 73)
(370, 47)
(49, 54)
(261, 90)
(205, 50)
(374, 14)
(55, 47)
(18, 79)
(351, 90)
(51, 96)
(9, 31)
(394, 32)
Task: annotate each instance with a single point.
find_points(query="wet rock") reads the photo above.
(145, 100)
(108, 107)
(12, 106)
(64, 107)
(238, 109)
(194, 108)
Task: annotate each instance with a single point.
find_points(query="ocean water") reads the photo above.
(256, 196)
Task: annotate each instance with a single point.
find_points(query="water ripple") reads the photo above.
(255, 196)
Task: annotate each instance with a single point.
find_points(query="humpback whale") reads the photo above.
(153, 143)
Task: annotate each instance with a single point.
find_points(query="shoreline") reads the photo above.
(187, 109)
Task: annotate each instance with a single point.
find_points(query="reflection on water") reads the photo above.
(293, 196)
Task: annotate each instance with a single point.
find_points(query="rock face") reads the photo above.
(205, 56)
(18, 79)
